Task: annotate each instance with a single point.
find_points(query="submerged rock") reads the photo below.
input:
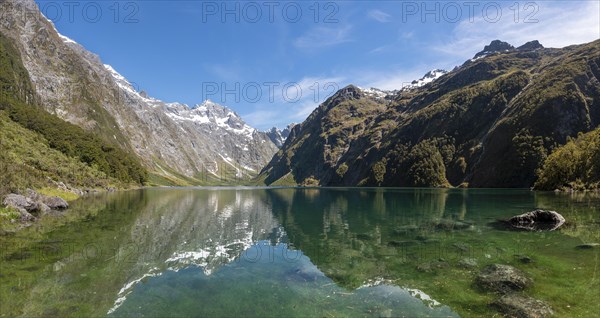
(432, 266)
(451, 225)
(538, 220)
(502, 279)
(467, 262)
(521, 306)
(588, 246)
(402, 243)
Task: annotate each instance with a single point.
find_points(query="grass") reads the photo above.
(55, 192)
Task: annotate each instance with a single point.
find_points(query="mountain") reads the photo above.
(488, 123)
(39, 150)
(495, 46)
(278, 136)
(178, 145)
(530, 46)
(427, 78)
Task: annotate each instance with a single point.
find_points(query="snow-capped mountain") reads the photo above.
(377, 93)
(278, 136)
(227, 146)
(383, 94)
(173, 140)
(426, 79)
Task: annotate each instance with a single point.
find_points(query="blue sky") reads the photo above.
(277, 66)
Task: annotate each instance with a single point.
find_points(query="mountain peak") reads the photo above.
(426, 79)
(277, 136)
(531, 46)
(348, 93)
(495, 47)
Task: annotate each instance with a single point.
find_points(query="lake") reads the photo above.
(325, 252)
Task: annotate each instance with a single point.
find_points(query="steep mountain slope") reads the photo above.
(489, 123)
(76, 86)
(39, 150)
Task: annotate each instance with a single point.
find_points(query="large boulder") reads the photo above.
(46, 203)
(26, 216)
(502, 279)
(55, 203)
(19, 202)
(33, 202)
(521, 306)
(538, 220)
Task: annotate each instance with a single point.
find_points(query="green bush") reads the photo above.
(17, 100)
(576, 165)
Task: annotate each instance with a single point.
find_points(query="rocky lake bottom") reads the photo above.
(305, 252)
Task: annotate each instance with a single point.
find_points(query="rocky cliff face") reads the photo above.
(495, 46)
(489, 123)
(277, 136)
(182, 144)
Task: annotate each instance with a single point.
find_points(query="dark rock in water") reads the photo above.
(588, 246)
(402, 243)
(538, 220)
(467, 263)
(521, 306)
(502, 279)
(524, 259)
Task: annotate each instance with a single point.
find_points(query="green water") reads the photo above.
(295, 252)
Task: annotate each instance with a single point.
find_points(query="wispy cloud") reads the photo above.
(391, 79)
(379, 49)
(406, 34)
(558, 24)
(379, 16)
(230, 72)
(319, 37)
(287, 109)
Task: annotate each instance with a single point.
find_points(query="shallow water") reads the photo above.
(295, 252)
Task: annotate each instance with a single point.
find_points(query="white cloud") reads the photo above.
(559, 24)
(319, 37)
(287, 109)
(391, 79)
(379, 16)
